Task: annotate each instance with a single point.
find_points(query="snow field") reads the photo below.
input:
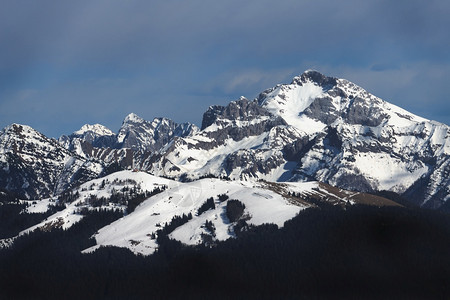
(134, 231)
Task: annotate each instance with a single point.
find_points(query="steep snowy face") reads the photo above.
(82, 141)
(313, 101)
(141, 135)
(136, 138)
(235, 141)
(289, 101)
(317, 128)
(95, 130)
(35, 166)
(360, 142)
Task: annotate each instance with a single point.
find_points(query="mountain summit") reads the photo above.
(317, 128)
(139, 134)
(34, 166)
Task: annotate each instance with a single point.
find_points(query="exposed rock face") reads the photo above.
(141, 135)
(83, 141)
(225, 144)
(34, 166)
(135, 133)
(238, 120)
(87, 137)
(136, 139)
(318, 128)
(242, 110)
(316, 77)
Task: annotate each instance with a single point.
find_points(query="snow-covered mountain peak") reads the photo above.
(161, 121)
(34, 165)
(317, 128)
(17, 129)
(18, 134)
(289, 101)
(313, 101)
(82, 141)
(316, 78)
(139, 134)
(96, 129)
(132, 118)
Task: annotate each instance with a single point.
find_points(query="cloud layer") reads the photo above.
(66, 63)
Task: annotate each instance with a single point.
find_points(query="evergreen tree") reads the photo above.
(208, 204)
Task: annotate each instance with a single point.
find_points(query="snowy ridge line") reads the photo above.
(265, 202)
(134, 231)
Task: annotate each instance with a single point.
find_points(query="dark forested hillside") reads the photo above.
(359, 252)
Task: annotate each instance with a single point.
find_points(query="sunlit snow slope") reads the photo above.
(317, 128)
(265, 202)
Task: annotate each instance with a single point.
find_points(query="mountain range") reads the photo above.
(315, 140)
(315, 188)
(316, 128)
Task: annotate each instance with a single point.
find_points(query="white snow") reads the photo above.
(289, 101)
(404, 135)
(96, 129)
(116, 181)
(38, 206)
(134, 230)
(390, 173)
(207, 161)
(132, 117)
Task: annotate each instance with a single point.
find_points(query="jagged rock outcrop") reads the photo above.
(35, 166)
(136, 139)
(141, 135)
(84, 140)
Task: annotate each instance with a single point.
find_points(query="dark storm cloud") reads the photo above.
(71, 62)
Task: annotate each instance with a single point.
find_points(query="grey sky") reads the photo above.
(67, 63)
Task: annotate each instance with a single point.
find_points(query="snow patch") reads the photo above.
(97, 129)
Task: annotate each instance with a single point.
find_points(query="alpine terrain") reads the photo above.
(319, 138)
(313, 182)
(317, 128)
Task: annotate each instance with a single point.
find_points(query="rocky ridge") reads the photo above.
(35, 166)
